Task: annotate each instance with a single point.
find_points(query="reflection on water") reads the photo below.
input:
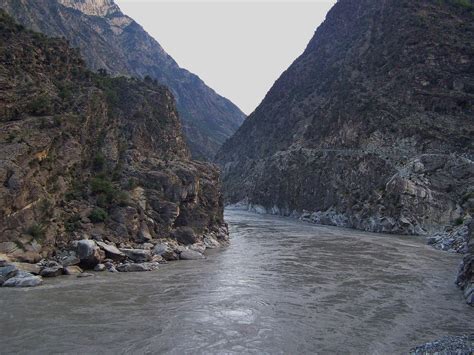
(281, 287)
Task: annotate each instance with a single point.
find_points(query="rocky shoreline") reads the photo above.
(459, 345)
(102, 255)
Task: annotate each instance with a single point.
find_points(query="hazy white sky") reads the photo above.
(238, 47)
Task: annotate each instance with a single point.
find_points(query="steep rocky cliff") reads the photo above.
(372, 127)
(88, 156)
(110, 40)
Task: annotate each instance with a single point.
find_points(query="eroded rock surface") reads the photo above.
(371, 128)
(91, 164)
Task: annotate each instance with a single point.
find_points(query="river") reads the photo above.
(283, 286)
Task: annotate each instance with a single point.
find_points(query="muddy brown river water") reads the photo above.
(283, 286)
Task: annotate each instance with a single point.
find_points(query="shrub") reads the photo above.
(100, 185)
(73, 223)
(39, 106)
(98, 215)
(98, 163)
(36, 231)
(459, 221)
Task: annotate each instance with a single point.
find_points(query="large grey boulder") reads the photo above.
(52, 271)
(138, 255)
(89, 253)
(23, 279)
(8, 271)
(190, 255)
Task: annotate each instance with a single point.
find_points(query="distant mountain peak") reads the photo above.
(92, 7)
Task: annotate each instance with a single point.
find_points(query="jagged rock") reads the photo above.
(137, 255)
(185, 235)
(89, 253)
(72, 270)
(111, 251)
(72, 144)
(200, 248)
(211, 243)
(190, 255)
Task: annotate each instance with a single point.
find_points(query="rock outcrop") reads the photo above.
(112, 41)
(371, 128)
(86, 156)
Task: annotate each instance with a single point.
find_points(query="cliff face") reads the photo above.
(85, 155)
(110, 40)
(371, 127)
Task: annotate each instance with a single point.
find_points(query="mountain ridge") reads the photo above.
(382, 87)
(118, 44)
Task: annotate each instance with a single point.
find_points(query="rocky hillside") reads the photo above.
(88, 156)
(110, 40)
(372, 127)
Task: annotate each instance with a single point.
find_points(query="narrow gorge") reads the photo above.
(337, 218)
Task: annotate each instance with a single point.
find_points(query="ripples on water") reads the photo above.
(281, 287)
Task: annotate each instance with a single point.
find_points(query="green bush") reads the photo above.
(98, 215)
(101, 185)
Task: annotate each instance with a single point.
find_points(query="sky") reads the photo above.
(238, 47)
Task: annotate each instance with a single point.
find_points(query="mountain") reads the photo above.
(371, 127)
(86, 155)
(110, 40)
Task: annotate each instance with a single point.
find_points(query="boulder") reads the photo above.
(137, 255)
(99, 267)
(191, 255)
(211, 243)
(2, 280)
(185, 235)
(8, 271)
(27, 256)
(31, 268)
(52, 271)
(23, 279)
(111, 251)
(133, 267)
(170, 255)
(72, 270)
(200, 248)
(89, 253)
(71, 259)
(160, 249)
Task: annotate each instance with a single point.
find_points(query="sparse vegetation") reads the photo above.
(98, 215)
(73, 223)
(36, 231)
(39, 106)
